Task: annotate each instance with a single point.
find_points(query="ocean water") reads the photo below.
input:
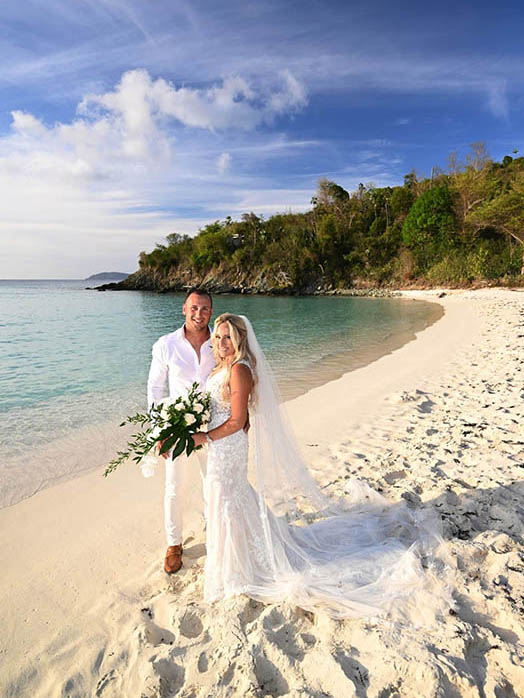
(74, 362)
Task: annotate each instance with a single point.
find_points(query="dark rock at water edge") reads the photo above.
(252, 283)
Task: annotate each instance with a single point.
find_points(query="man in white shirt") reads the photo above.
(179, 359)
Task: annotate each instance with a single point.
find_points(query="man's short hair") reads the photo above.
(199, 292)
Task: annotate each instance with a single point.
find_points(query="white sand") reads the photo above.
(86, 610)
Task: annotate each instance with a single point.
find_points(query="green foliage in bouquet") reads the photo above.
(171, 423)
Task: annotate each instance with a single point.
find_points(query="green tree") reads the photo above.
(212, 245)
(329, 194)
(175, 238)
(401, 201)
(429, 226)
(505, 213)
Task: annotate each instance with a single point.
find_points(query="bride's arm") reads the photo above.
(241, 383)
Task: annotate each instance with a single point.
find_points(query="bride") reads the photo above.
(281, 537)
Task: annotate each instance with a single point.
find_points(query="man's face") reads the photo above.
(197, 310)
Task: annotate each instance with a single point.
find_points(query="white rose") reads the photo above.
(156, 432)
(148, 465)
(198, 407)
(206, 416)
(190, 418)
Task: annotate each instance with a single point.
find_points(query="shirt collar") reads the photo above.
(180, 334)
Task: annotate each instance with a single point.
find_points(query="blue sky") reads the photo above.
(123, 120)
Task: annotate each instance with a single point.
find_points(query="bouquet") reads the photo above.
(171, 423)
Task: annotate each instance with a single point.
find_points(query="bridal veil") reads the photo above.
(352, 556)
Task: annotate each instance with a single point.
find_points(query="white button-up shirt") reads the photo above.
(175, 365)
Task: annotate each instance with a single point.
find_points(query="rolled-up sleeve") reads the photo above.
(158, 374)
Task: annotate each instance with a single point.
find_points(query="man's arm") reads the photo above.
(158, 374)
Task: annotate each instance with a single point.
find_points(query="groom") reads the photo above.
(179, 359)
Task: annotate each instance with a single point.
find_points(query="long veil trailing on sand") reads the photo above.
(353, 556)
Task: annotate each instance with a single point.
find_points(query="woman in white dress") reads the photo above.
(274, 535)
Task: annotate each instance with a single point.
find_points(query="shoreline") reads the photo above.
(319, 288)
(95, 546)
(351, 362)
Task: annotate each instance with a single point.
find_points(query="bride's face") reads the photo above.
(223, 341)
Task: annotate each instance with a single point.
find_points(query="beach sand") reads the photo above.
(87, 610)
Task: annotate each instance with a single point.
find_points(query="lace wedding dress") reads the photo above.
(234, 540)
(283, 539)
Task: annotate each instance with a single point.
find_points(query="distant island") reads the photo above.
(460, 228)
(104, 275)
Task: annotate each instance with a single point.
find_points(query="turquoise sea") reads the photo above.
(73, 362)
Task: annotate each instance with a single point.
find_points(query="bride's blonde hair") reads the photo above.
(238, 334)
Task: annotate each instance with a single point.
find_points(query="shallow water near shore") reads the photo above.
(74, 362)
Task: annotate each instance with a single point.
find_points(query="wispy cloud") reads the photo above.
(223, 163)
(498, 99)
(264, 201)
(346, 50)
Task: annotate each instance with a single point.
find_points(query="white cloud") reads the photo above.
(109, 182)
(223, 163)
(26, 124)
(139, 101)
(133, 127)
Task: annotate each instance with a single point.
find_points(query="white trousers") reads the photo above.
(177, 473)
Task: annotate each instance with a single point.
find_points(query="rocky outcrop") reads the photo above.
(224, 280)
(216, 280)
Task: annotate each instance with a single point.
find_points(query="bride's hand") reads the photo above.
(199, 439)
(165, 455)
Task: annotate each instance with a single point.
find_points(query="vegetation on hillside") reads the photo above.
(457, 227)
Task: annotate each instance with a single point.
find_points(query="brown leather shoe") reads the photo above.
(173, 561)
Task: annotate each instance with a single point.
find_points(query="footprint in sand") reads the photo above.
(203, 663)
(354, 670)
(270, 680)
(190, 625)
(169, 676)
(394, 476)
(287, 631)
(250, 612)
(155, 635)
